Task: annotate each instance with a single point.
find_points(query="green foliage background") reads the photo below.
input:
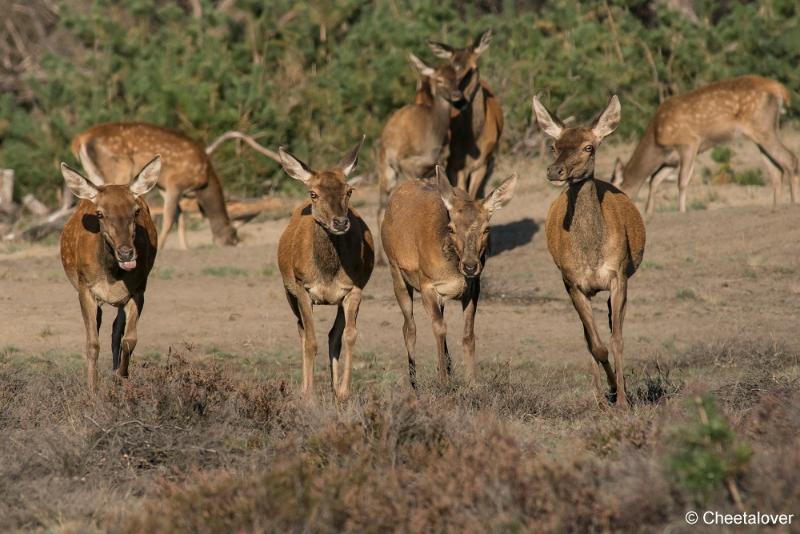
(316, 75)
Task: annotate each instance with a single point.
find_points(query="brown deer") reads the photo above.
(108, 247)
(435, 237)
(687, 124)
(416, 136)
(594, 233)
(325, 256)
(116, 150)
(475, 129)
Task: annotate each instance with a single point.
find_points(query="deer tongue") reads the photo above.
(128, 265)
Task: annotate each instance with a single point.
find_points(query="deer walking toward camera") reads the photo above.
(108, 247)
(594, 233)
(416, 136)
(435, 237)
(117, 150)
(688, 124)
(475, 129)
(325, 256)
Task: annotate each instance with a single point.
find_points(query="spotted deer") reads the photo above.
(108, 247)
(475, 128)
(435, 237)
(116, 150)
(595, 234)
(688, 124)
(416, 136)
(325, 256)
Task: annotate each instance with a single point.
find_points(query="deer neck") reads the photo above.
(212, 201)
(476, 110)
(104, 256)
(441, 116)
(585, 223)
(644, 161)
(326, 249)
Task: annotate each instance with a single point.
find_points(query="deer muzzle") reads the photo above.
(126, 257)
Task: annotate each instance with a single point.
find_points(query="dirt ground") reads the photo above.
(727, 268)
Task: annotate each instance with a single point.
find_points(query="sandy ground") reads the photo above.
(728, 268)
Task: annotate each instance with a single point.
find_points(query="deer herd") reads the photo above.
(434, 159)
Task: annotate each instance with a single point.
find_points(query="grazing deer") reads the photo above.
(325, 256)
(108, 247)
(475, 129)
(687, 124)
(435, 237)
(594, 233)
(416, 136)
(116, 150)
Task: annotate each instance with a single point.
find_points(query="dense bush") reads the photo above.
(316, 75)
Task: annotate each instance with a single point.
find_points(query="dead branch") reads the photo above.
(247, 139)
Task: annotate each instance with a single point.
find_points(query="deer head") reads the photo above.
(464, 60)
(468, 229)
(116, 207)
(574, 148)
(329, 190)
(443, 81)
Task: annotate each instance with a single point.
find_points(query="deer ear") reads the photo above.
(616, 178)
(147, 177)
(608, 120)
(445, 189)
(501, 195)
(420, 65)
(294, 167)
(550, 125)
(441, 50)
(350, 160)
(482, 43)
(80, 186)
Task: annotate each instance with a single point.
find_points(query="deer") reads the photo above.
(686, 125)
(595, 234)
(415, 138)
(435, 237)
(115, 151)
(108, 247)
(326, 257)
(475, 129)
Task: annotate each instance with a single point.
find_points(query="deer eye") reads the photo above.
(136, 212)
(313, 195)
(589, 148)
(450, 229)
(98, 214)
(349, 192)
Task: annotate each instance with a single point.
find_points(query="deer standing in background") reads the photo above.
(687, 124)
(594, 233)
(435, 237)
(108, 247)
(416, 136)
(116, 150)
(475, 128)
(325, 256)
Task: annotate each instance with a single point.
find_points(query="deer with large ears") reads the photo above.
(108, 247)
(326, 256)
(416, 136)
(594, 233)
(475, 129)
(435, 237)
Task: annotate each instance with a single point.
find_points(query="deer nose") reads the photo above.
(341, 223)
(470, 269)
(457, 98)
(125, 253)
(555, 172)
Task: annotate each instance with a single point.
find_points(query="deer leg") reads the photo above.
(335, 346)
(351, 304)
(309, 341)
(659, 176)
(117, 331)
(184, 244)
(130, 316)
(777, 155)
(476, 179)
(404, 294)
(469, 303)
(593, 341)
(435, 309)
(387, 181)
(617, 302)
(686, 169)
(92, 316)
(171, 198)
(461, 180)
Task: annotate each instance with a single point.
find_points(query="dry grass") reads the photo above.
(188, 445)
